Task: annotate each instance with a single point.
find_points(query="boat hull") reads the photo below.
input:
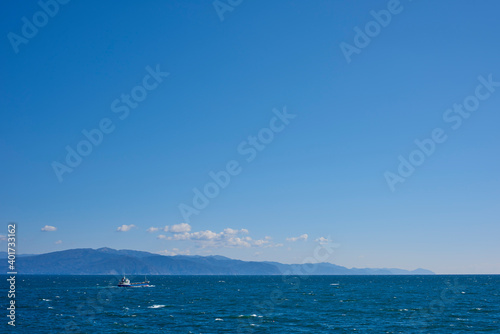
(125, 283)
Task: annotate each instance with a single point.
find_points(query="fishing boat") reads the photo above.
(125, 283)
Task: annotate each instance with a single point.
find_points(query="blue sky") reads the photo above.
(323, 174)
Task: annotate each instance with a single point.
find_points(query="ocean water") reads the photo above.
(257, 304)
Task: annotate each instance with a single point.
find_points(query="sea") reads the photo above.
(256, 304)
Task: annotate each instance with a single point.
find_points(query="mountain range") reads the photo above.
(105, 261)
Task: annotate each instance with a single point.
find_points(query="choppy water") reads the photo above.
(257, 304)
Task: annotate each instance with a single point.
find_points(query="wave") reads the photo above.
(156, 306)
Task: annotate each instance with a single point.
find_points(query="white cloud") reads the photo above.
(48, 228)
(322, 240)
(175, 251)
(165, 228)
(230, 231)
(125, 228)
(206, 235)
(182, 236)
(201, 235)
(152, 229)
(58, 242)
(302, 237)
(235, 241)
(179, 228)
(227, 238)
(167, 252)
(260, 242)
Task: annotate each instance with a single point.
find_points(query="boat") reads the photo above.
(125, 283)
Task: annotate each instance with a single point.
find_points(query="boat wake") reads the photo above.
(142, 286)
(156, 306)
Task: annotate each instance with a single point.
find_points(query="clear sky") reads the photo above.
(309, 117)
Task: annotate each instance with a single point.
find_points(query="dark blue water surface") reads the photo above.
(257, 304)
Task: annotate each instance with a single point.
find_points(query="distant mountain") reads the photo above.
(418, 271)
(105, 261)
